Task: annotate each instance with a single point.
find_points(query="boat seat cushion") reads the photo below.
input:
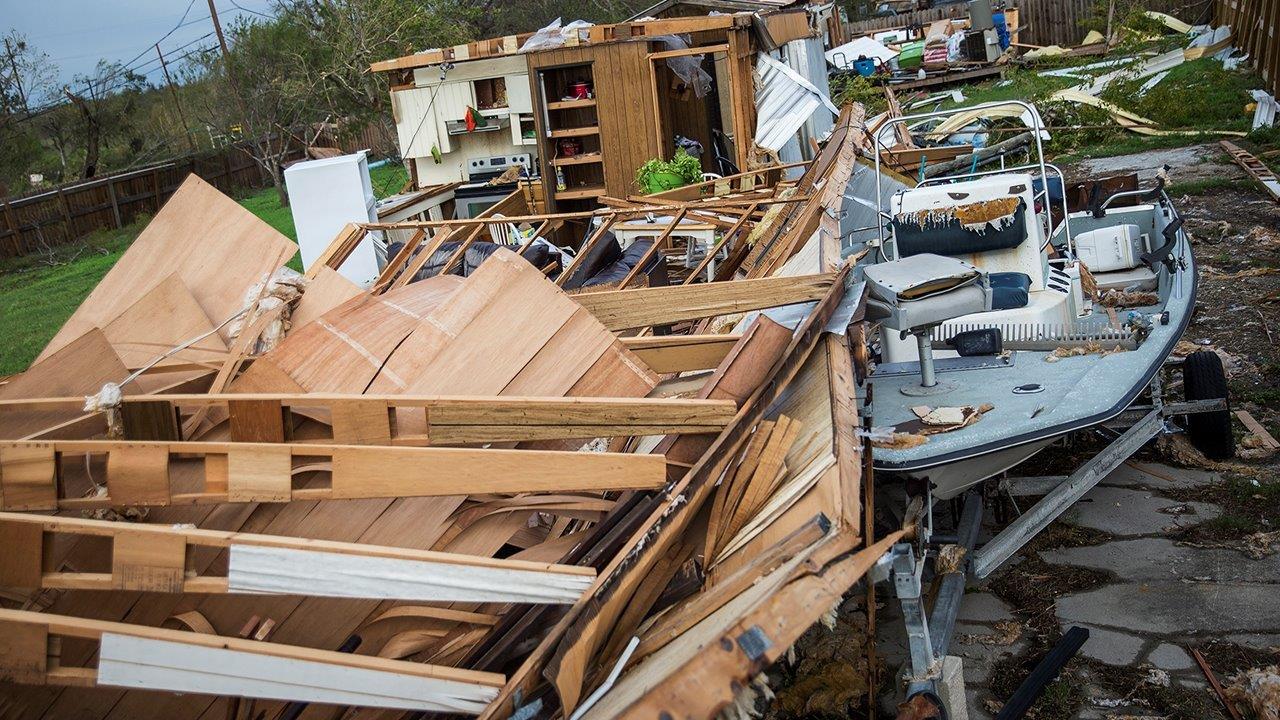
(944, 231)
(1009, 290)
(925, 290)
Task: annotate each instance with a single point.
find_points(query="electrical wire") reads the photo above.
(105, 86)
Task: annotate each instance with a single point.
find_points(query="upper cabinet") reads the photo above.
(415, 117)
(518, 96)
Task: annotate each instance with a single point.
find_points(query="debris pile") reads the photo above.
(480, 492)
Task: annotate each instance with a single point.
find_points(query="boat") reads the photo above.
(993, 297)
(1002, 321)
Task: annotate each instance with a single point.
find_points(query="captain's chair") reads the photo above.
(916, 294)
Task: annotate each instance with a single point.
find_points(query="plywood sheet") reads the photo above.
(327, 290)
(163, 318)
(342, 350)
(479, 341)
(80, 368)
(218, 249)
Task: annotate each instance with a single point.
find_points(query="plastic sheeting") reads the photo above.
(686, 67)
(553, 35)
(843, 56)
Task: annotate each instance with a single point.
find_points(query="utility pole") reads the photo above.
(217, 27)
(235, 90)
(17, 76)
(173, 91)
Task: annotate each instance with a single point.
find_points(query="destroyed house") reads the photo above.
(582, 107)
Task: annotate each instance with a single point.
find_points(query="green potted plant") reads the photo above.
(658, 175)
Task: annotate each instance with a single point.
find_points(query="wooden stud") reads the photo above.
(28, 477)
(21, 561)
(150, 564)
(150, 420)
(215, 473)
(259, 474)
(362, 423)
(257, 421)
(138, 475)
(24, 651)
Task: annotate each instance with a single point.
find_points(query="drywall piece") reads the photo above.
(218, 249)
(137, 662)
(288, 571)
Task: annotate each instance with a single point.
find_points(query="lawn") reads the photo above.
(39, 292)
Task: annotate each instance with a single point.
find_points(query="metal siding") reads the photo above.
(783, 103)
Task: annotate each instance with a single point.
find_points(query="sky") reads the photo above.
(75, 34)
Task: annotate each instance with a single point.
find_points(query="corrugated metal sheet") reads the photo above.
(858, 217)
(784, 102)
(806, 57)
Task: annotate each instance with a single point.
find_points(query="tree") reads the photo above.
(106, 101)
(344, 37)
(258, 95)
(26, 78)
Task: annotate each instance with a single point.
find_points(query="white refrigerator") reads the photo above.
(324, 196)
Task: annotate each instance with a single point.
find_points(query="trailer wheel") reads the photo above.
(1204, 379)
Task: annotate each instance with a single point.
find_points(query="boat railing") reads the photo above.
(1037, 129)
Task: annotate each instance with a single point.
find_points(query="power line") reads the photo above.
(37, 112)
(104, 86)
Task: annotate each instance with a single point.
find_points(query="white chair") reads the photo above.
(505, 233)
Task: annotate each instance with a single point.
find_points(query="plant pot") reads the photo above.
(662, 181)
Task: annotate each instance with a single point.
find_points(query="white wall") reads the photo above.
(421, 114)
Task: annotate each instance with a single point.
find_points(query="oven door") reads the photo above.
(469, 207)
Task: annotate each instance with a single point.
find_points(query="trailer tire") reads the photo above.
(1204, 379)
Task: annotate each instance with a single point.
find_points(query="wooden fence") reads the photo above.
(1046, 22)
(1062, 22)
(1255, 25)
(43, 219)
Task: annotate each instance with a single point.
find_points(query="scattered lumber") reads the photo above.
(1252, 165)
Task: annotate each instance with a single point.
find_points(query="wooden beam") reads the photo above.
(624, 309)
(271, 564)
(599, 34)
(263, 472)
(678, 353)
(347, 240)
(174, 660)
(458, 420)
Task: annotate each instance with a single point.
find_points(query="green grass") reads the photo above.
(39, 292)
(1209, 185)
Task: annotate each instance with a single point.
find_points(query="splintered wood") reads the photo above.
(458, 494)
